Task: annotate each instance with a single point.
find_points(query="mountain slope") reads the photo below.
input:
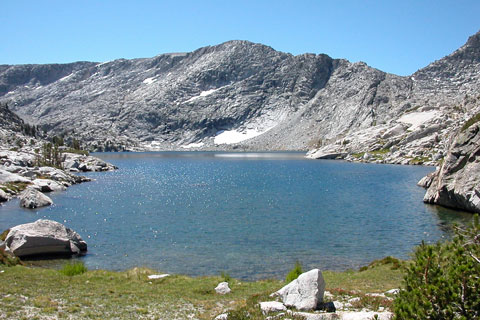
(242, 95)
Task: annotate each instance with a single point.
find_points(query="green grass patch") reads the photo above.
(73, 269)
(470, 122)
(8, 259)
(4, 235)
(98, 294)
(76, 151)
(16, 187)
(394, 263)
(358, 155)
(419, 160)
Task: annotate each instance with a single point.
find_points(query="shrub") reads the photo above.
(8, 259)
(226, 277)
(72, 269)
(443, 281)
(294, 273)
(471, 121)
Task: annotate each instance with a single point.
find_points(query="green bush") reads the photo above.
(443, 282)
(8, 259)
(72, 269)
(294, 273)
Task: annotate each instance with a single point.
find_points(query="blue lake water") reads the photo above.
(251, 215)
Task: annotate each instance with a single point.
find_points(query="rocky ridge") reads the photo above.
(246, 96)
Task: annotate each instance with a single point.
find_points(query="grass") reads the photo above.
(73, 269)
(76, 151)
(419, 160)
(7, 259)
(16, 187)
(46, 293)
(470, 122)
(4, 235)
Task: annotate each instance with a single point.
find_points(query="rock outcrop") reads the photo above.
(456, 184)
(81, 163)
(43, 237)
(305, 292)
(32, 198)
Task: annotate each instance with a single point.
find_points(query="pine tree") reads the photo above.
(443, 282)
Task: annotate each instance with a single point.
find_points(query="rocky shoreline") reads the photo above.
(19, 172)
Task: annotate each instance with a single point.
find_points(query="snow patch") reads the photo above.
(66, 77)
(415, 119)
(202, 94)
(234, 136)
(193, 145)
(149, 80)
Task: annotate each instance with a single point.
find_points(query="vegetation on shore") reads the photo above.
(38, 292)
(440, 282)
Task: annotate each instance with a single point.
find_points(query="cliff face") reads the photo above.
(248, 96)
(456, 183)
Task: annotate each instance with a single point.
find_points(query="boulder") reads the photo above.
(223, 316)
(222, 288)
(3, 196)
(345, 315)
(44, 237)
(272, 306)
(32, 198)
(456, 184)
(305, 292)
(6, 177)
(47, 185)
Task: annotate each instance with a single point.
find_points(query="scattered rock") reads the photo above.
(44, 237)
(345, 315)
(222, 288)
(272, 306)
(305, 292)
(393, 291)
(222, 316)
(158, 276)
(32, 198)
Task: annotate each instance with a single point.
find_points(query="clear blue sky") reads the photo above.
(398, 36)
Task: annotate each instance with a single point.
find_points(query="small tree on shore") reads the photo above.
(443, 282)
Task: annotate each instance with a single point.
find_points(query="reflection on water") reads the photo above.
(249, 214)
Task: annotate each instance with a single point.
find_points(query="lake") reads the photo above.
(251, 215)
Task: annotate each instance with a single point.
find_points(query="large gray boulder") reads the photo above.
(305, 292)
(456, 184)
(44, 237)
(31, 199)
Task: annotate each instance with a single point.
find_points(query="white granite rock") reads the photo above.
(223, 288)
(305, 292)
(32, 198)
(272, 306)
